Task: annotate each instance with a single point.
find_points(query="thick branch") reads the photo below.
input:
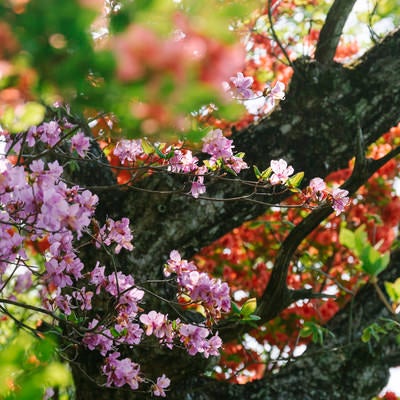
(314, 131)
(277, 295)
(332, 30)
(345, 369)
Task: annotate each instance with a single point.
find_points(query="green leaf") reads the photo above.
(257, 172)
(393, 290)
(317, 332)
(361, 240)
(235, 308)
(373, 331)
(148, 148)
(347, 238)
(295, 180)
(373, 262)
(249, 307)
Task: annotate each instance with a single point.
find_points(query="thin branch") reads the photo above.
(277, 295)
(332, 30)
(275, 36)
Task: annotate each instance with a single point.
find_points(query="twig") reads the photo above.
(275, 36)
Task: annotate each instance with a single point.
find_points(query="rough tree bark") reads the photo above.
(315, 131)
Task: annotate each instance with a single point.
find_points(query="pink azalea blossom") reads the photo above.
(154, 323)
(317, 188)
(63, 302)
(241, 85)
(339, 200)
(84, 298)
(198, 187)
(128, 150)
(98, 337)
(23, 282)
(182, 161)
(278, 91)
(121, 372)
(50, 133)
(217, 145)
(236, 164)
(212, 346)
(162, 383)
(131, 333)
(116, 232)
(281, 172)
(80, 143)
(194, 338)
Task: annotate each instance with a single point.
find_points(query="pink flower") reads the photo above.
(154, 323)
(241, 85)
(48, 394)
(128, 150)
(118, 232)
(98, 337)
(121, 372)
(56, 274)
(182, 162)
(194, 338)
(80, 143)
(23, 282)
(50, 133)
(212, 346)
(63, 302)
(84, 298)
(131, 333)
(198, 187)
(281, 172)
(317, 188)
(278, 91)
(339, 200)
(217, 145)
(162, 383)
(175, 265)
(236, 164)
(98, 278)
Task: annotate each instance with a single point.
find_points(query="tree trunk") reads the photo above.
(315, 131)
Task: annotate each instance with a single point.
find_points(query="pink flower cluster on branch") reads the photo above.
(182, 161)
(318, 191)
(125, 330)
(116, 232)
(212, 294)
(51, 134)
(257, 103)
(37, 205)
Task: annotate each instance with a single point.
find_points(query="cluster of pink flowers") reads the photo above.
(178, 160)
(212, 294)
(196, 339)
(257, 103)
(318, 191)
(128, 150)
(115, 232)
(125, 330)
(279, 173)
(51, 134)
(36, 205)
(121, 372)
(40, 204)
